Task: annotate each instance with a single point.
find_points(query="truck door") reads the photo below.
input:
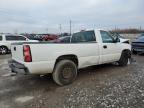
(109, 49)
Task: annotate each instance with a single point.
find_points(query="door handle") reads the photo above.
(104, 46)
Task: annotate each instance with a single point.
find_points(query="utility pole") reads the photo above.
(140, 28)
(115, 27)
(46, 30)
(60, 27)
(16, 31)
(70, 27)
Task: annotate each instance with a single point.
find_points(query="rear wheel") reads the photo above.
(65, 72)
(3, 50)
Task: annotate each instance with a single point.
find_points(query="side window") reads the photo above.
(20, 38)
(106, 37)
(11, 38)
(0, 38)
(87, 36)
(15, 38)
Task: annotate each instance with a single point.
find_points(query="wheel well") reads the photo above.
(68, 57)
(4, 46)
(128, 52)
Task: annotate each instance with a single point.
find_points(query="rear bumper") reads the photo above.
(17, 67)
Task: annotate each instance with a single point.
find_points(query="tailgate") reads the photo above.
(17, 52)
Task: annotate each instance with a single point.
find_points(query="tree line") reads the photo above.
(128, 31)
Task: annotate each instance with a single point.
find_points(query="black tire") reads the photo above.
(124, 58)
(65, 72)
(3, 50)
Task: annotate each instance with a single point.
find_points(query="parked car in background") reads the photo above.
(32, 37)
(141, 35)
(49, 37)
(7, 39)
(41, 37)
(122, 39)
(138, 45)
(65, 39)
(64, 34)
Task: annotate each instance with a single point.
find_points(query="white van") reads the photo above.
(7, 39)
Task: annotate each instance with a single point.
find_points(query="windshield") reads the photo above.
(116, 35)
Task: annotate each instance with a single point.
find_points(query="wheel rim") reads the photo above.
(3, 50)
(66, 72)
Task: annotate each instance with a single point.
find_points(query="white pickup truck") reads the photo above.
(86, 48)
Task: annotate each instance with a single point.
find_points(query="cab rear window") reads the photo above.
(84, 36)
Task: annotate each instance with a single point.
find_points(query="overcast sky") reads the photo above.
(47, 15)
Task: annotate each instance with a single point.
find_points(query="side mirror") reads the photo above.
(116, 40)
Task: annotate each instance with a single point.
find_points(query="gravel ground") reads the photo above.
(104, 86)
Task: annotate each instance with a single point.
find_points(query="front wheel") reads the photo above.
(124, 58)
(65, 72)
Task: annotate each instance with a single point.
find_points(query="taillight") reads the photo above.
(27, 53)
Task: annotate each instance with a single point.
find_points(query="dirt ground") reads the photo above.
(104, 86)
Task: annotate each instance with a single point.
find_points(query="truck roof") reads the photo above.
(90, 30)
